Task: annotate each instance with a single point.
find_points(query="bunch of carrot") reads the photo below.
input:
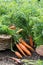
(24, 48)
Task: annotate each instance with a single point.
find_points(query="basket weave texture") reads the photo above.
(5, 41)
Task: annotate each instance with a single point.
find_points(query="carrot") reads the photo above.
(12, 27)
(17, 45)
(18, 54)
(31, 41)
(26, 45)
(25, 49)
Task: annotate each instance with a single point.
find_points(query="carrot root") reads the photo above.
(31, 41)
(17, 45)
(18, 54)
(12, 27)
(26, 45)
(25, 49)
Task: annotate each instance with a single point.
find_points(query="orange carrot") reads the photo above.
(18, 54)
(25, 49)
(12, 27)
(26, 45)
(17, 45)
(31, 41)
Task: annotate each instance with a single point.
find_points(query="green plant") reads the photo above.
(23, 14)
(38, 33)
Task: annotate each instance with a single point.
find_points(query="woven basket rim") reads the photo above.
(3, 36)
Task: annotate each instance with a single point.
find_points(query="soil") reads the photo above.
(5, 60)
(5, 57)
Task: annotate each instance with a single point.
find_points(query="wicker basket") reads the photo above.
(5, 41)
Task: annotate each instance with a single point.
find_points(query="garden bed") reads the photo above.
(5, 58)
(5, 55)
